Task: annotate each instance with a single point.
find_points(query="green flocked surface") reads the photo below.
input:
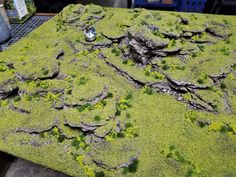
(153, 95)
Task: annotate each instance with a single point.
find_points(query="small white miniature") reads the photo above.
(90, 34)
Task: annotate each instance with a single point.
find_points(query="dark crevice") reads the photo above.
(38, 130)
(99, 97)
(90, 101)
(136, 82)
(214, 33)
(93, 139)
(60, 55)
(97, 19)
(104, 135)
(179, 84)
(217, 78)
(114, 40)
(17, 109)
(202, 42)
(85, 127)
(210, 107)
(171, 35)
(53, 75)
(72, 46)
(184, 21)
(198, 106)
(171, 87)
(228, 107)
(123, 165)
(4, 93)
(195, 31)
(10, 65)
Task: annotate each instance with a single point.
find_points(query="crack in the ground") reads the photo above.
(226, 101)
(38, 130)
(85, 127)
(18, 109)
(171, 87)
(7, 93)
(131, 160)
(88, 101)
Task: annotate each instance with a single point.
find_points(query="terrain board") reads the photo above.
(153, 95)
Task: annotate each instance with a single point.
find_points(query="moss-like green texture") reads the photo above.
(153, 95)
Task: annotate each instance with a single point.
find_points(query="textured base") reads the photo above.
(153, 95)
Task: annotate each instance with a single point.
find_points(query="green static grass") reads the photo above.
(134, 130)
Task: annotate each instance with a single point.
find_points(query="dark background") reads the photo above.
(55, 6)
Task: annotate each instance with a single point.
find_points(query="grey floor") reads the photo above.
(22, 168)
